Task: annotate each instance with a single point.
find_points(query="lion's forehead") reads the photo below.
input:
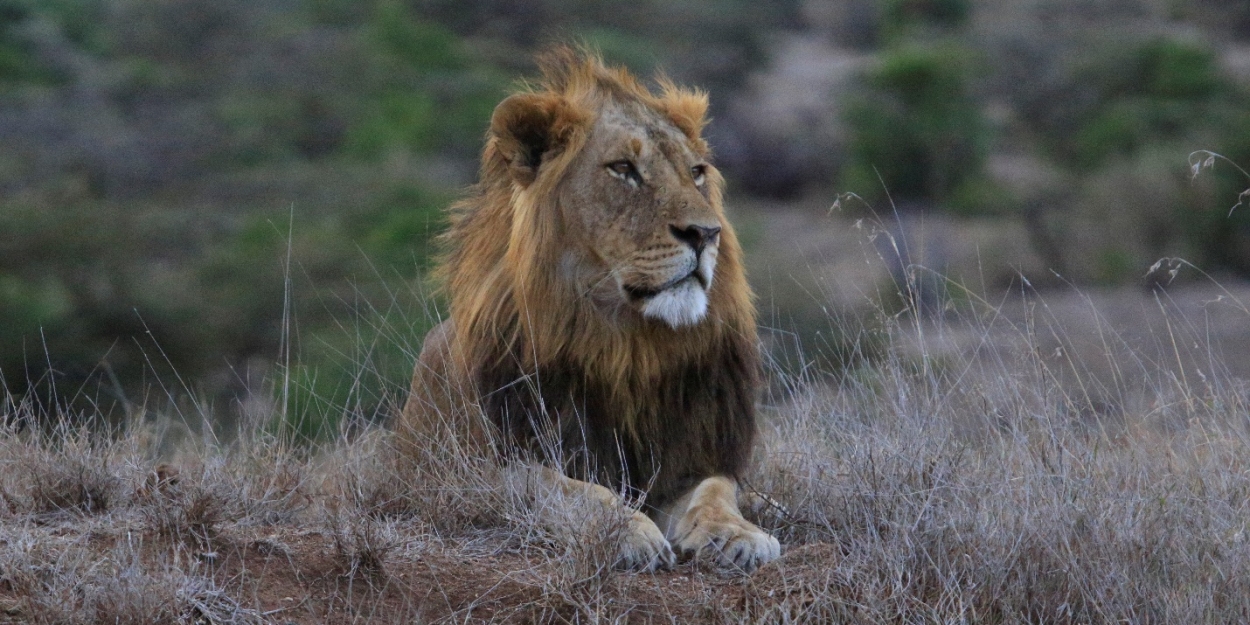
(657, 136)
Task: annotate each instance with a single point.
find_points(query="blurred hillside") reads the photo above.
(201, 198)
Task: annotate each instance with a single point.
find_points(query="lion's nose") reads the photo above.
(696, 236)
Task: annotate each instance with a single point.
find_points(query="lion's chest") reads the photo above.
(694, 423)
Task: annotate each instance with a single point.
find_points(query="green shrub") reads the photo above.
(903, 15)
(1162, 90)
(357, 372)
(917, 125)
(27, 307)
(1132, 212)
(1120, 129)
(17, 65)
(396, 231)
(1177, 70)
(352, 324)
(1219, 227)
(424, 91)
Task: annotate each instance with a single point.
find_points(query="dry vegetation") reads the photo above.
(1026, 479)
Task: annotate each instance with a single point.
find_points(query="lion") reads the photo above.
(598, 305)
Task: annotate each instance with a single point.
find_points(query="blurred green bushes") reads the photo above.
(190, 189)
(1158, 91)
(904, 19)
(224, 203)
(1123, 122)
(1108, 101)
(916, 131)
(233, 200)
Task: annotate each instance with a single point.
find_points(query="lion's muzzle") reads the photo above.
(682, 299)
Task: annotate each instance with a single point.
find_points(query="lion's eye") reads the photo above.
(626, 171)
(699, 173)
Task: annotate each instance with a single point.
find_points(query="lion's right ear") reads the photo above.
(528, 126)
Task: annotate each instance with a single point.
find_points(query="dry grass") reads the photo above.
(993, 467)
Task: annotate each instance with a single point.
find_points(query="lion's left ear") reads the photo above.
(528, 126)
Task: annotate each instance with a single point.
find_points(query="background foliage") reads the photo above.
(199, 199)
(192, 191)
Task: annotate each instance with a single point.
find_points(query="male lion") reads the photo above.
(598, 306)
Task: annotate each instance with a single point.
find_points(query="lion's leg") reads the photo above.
(441, 414)
(707, 520)
(644, 546)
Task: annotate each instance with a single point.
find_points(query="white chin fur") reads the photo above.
(682, 305)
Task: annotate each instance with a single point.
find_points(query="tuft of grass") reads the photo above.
(62, 469)
(436, 481)
(48, 579)
(361, 546)
(186, 509)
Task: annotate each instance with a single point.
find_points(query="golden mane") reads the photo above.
(504, 242)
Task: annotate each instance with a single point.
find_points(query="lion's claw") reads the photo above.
(644, 547)
(732, 542)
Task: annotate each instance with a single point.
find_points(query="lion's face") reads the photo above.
(638, 204)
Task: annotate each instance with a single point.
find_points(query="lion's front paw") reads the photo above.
(733, 540)
(644, 546)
